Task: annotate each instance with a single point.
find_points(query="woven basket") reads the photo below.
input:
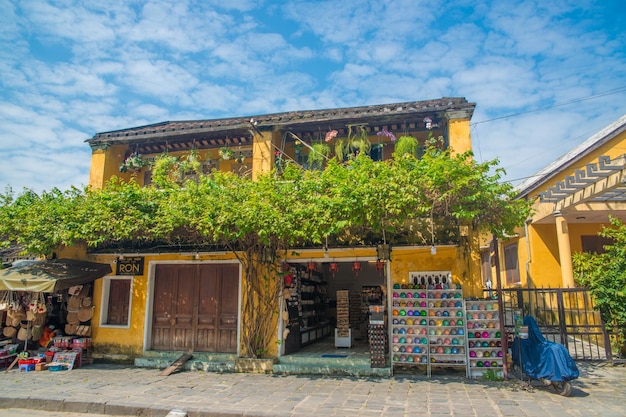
(24, 333)
(72, 317)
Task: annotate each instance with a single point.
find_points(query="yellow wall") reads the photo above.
(459, 135)
(545, 268)
(130, 341)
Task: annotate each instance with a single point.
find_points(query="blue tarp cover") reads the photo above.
(542, 359)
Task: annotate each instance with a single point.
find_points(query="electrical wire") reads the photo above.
(565, 103)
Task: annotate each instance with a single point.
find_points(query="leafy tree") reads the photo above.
(355, 202)
(605, 276)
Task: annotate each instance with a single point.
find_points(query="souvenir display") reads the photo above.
(428, 325)
(483, 332)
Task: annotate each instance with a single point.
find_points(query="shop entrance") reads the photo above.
(329, 307)
(195, 308)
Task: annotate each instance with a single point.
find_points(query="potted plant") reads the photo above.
(226, 153)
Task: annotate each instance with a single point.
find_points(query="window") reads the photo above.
(511, 264)
(116, 301)
(485, 265)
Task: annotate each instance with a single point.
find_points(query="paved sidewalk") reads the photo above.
(120, 390)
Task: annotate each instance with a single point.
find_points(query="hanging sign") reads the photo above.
(130, 266)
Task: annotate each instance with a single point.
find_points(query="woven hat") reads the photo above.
(15, 322)
(9, 331)
(70, 328)
(73, 304)
(85, 302)
(72, 317)
(85, 313)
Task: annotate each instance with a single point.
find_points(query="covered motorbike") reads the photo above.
(544, 360)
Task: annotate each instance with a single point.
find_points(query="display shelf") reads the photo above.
(484, 343)
(307, 307)
(428, 322)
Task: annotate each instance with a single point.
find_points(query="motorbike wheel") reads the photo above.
(563, 388)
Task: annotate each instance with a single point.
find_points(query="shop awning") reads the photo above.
(51, 275)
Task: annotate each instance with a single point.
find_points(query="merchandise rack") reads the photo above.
(483, 337)
(428, 322)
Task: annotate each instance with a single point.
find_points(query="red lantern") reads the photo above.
(311, 266)
(333, 268)
(380, 267)
(356, 267)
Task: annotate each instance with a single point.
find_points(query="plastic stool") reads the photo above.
(26, 367)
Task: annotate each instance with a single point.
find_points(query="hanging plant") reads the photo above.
(226, 153)
(133, 162)
(406, 145)
(190, 164)
(360, 141)
(318, 154)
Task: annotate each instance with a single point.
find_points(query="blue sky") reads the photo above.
(70, 69)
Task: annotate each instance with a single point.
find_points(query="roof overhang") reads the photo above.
(588, 195)
(202, 134)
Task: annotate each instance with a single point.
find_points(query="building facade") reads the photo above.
(573, 198)
(168, 300)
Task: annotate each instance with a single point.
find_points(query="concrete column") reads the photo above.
(565, 251)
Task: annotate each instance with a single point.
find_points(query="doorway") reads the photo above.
(195, 308)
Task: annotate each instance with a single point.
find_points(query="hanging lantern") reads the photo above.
(333, 268)
(380, 267)
(311, 266)
(356, 267)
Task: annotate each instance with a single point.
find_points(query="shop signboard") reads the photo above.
(132, 265)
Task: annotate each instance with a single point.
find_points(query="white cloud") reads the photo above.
(71, 69)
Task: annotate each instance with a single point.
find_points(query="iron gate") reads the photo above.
(564, 315)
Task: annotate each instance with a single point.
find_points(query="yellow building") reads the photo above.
(573, 198)
(167, 299)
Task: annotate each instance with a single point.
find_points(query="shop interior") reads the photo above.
(340, 295)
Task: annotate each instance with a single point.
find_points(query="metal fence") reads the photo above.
(564, 315)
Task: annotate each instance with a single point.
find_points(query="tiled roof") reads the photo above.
(238, 130)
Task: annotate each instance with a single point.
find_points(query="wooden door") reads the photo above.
(195, 308)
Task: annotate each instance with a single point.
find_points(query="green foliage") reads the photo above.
(355, 202)
(492, 375)
(605, 276)
(406, 145)
(318, 154)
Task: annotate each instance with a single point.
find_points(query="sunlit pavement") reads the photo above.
(119, 390)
